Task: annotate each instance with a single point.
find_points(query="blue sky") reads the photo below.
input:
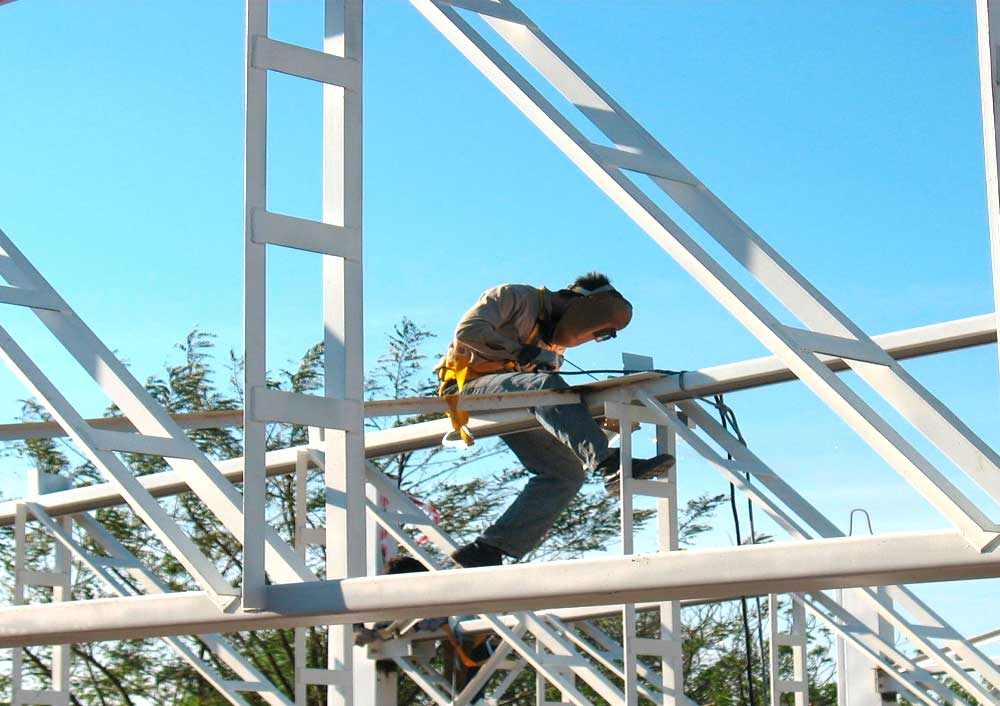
(848, 134)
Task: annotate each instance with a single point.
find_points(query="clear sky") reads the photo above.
(848, 134)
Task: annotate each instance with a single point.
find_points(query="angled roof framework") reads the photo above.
(293, 596)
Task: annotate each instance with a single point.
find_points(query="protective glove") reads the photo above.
(541, 358)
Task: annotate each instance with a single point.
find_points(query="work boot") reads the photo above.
(478, 553)
(642, 468)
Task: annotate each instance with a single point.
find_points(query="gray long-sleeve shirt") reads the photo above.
(500, 323)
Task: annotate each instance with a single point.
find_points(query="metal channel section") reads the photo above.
(337, 238)
(912, 618)
(826, 329)
(988, 26)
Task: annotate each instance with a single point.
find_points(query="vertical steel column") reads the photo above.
(795, 638)
(671, 629)
(988, 22)
(343, 333)
(858, 680)
(629, 637)
(668, 647)
(254, 314)
(59, 579)
(374, 687)
(301, 546)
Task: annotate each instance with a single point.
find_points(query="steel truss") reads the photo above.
(561, 652)
(828, 329)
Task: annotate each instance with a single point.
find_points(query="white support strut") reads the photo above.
(827, 326)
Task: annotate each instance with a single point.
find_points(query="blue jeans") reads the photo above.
(559, 455)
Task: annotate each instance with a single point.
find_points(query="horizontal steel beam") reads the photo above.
(785, 567)
(732, 377)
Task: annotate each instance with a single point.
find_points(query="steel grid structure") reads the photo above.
(822, 341)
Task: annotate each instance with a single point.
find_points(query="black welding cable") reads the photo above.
(734, 423)
(744, 610)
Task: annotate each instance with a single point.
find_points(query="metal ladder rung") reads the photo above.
(489, 8)
(315, 536)
(653, 488)
(43, 696)
(32, 298)
(304, 234)
(790, 685)
(657, 648)
(52, 579)
(651, 165)
(790, 640)
(128, 442)
(307, 410)
(328, 677)
(302, 62)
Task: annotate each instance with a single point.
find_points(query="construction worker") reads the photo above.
(514, 339)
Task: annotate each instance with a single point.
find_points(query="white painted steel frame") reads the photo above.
(60, 579)
(829, 330)
(338, 240)
(119, 562)
(157, 434)
(668, 647)
(796, 640)
(988, 35)
(706, 574)
(804, 521)
(742, 375)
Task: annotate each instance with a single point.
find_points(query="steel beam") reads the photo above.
(956, 334)
(732, 377)
(820, 564)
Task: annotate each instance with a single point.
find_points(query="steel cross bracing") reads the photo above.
(923, 628)
(828, 330)
(59, 579)
(158, 434)
(559, 655)
(558, 662)
(337, 237)
(116, 564)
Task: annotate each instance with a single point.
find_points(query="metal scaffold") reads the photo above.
(544, 617)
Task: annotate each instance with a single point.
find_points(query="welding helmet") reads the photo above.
(595, 315)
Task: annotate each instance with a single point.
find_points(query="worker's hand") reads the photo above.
(541, 358)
